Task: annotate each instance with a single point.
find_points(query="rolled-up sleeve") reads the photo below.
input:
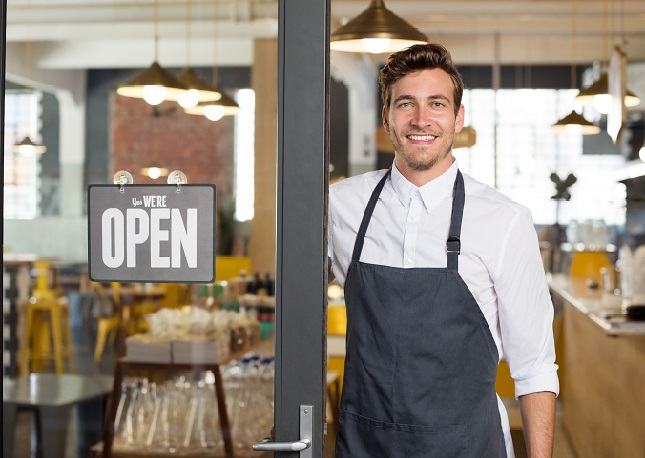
(525, 310)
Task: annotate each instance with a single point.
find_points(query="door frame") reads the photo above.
(303, 178)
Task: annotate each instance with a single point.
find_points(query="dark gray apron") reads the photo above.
(421, 362)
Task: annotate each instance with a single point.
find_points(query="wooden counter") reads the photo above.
(603, 375)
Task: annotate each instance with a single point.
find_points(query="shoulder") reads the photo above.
(357, 183)
(358, 187)
(486, 203)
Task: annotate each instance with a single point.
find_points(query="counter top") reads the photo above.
(590, 302)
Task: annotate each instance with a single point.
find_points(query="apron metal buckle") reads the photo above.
(454, 245)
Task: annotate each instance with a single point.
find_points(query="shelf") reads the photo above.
(124, 367)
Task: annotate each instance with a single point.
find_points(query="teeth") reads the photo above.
(421, 137)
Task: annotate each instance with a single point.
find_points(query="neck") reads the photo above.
(422, 177)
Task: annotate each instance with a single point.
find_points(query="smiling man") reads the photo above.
(443, 277)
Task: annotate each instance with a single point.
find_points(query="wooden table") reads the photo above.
(52, 396)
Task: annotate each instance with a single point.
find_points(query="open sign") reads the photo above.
(152, 233)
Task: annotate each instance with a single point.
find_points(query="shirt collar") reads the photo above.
(431, 193)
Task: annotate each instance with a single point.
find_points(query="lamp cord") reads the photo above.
(155, 29)
(573, 44)
(188, 19)
(215, 36)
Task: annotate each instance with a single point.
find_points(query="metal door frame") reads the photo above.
(301, 268)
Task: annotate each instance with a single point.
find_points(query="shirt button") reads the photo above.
(413, 218)
(408, 261)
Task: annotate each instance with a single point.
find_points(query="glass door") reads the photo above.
(301, 274)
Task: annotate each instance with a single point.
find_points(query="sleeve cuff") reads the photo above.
(537, 383)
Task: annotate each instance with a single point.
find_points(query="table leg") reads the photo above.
(223, 415)
(91, 414)
(53, 430)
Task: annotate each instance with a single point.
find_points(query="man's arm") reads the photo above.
(538, 421)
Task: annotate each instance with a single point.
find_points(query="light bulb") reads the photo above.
(26, 150)
(214, 112)
(603, 103)
(375, 45)
(154, 172)
(154, 95)
(641, 153)
(189, 98)
(573, 128)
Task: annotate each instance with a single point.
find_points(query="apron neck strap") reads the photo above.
(367, 215)
(453, 247)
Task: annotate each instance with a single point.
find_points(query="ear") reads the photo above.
(459, 119)
(386, 124)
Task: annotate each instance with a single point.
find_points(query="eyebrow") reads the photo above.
(431, 97)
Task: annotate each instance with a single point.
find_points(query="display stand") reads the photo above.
(124, 367)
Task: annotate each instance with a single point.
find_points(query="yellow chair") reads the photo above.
(47, 335)
(107, 325)
(336, 331)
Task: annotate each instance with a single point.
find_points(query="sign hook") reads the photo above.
(177, 177)
(123, 177)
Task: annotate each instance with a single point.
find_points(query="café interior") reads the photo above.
(545, 125)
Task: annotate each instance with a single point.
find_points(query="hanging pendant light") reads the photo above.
(598, 96)
(224, 106)
(376, 30)
(28, 148)
(153, 84)
(215, 111)
(198, 89)
(574, 123)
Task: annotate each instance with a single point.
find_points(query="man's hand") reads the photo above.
(538, 421)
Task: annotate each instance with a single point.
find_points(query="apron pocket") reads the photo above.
(364, 437)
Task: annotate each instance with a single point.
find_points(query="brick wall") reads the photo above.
(165, 135)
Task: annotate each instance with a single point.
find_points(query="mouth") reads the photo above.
(421, 138)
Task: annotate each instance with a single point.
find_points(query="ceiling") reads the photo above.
(78, 34)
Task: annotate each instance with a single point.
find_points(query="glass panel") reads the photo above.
(21, 169)
(515, 125)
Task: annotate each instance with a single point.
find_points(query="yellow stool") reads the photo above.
(106, 327)
(47, 335)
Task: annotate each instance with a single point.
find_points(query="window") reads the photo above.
(528, 151)
(21, 171)
(245, 155)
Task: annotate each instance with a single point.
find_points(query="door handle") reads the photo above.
(268, 446)
(303, 445)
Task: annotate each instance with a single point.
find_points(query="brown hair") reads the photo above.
(416, 58)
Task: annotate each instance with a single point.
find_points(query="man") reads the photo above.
(442, 278)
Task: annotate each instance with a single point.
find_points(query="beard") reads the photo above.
(420, 164)
(423, 159)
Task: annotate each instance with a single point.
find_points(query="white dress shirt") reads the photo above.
(500, 259)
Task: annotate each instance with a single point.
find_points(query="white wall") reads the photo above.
(62, 238)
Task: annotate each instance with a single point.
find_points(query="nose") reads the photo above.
(422, 117)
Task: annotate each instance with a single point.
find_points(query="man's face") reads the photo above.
(421, 120)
